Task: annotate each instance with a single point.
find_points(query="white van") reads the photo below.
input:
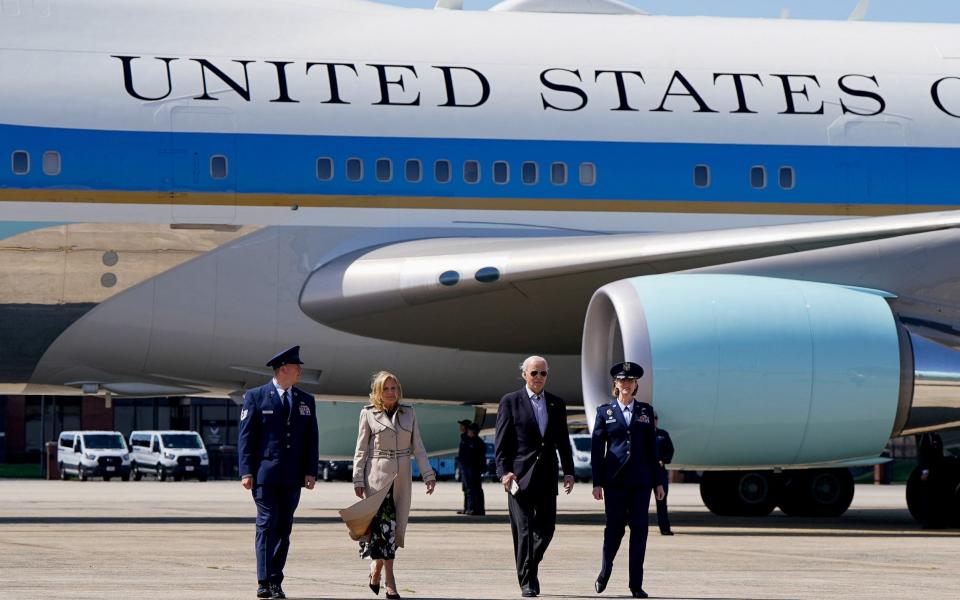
(175, 454)
(93, 454)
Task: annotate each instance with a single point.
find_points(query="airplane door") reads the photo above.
(200, 165)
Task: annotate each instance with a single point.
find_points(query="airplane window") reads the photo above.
(558, 173)
(588, 173)
(51, 163)
(501, 172)
(21, 162)
(701, 176)
(413, 170)
(758, 177)
(442, 171)
(471, 171)
(218, 166)
(354, 169)
(325, 168)
(528, 173)
(787, 178)
(384, 169)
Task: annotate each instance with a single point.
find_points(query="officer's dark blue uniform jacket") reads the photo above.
(624, 454)
(274, 451)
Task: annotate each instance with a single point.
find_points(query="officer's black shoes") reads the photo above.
(263, 591)
(667, 532)
(277, 591)
(638, 593)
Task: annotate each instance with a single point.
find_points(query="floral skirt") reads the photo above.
(383, 532)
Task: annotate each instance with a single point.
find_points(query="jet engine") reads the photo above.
(758, 373)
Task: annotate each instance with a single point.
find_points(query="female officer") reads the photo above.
(624, 461)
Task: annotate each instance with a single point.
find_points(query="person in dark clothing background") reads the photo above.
(460, 458)
(665, 454)
(473, 462)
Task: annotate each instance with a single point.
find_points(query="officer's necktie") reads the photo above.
(285, 398)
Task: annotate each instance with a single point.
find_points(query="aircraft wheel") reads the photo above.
(934, 502)
(816, 493)
(739, 493)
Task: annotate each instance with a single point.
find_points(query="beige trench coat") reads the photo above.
(384, 448)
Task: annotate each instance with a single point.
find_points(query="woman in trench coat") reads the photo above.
(388, 437)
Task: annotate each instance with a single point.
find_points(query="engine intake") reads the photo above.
(757, 372)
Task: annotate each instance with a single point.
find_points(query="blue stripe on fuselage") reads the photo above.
(286, 164)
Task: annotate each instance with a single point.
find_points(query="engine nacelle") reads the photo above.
(753, 371)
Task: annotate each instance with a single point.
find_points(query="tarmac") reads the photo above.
(153, 540)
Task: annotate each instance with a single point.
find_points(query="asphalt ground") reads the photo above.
(152, 540)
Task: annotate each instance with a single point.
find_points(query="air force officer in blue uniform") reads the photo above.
(278, 456)
(625, 470)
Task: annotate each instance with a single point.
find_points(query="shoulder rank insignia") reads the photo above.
(244, 413)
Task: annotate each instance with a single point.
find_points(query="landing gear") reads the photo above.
(806, 493)
(739, 493)
(933, 494)
(816, 492)
(933, 490)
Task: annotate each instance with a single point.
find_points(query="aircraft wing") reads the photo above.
(530, 294)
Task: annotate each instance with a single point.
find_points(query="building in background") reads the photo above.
(27, 422)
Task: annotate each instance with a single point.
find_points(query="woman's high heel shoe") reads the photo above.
(393, 596)
(375, 587)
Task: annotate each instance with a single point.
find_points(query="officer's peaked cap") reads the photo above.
(464, 422)
(626, 370)
(290, 356)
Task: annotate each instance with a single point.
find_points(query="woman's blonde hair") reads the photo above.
(616, 388)
(376, 388)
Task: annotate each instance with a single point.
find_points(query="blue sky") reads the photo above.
(880, 10)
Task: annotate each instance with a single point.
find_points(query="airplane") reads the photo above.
(761, 212)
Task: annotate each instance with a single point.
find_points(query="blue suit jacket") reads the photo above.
(624, 454)
(274, 451)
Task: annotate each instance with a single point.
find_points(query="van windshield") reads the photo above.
(190, 441)
(104, 441)
(582, 444)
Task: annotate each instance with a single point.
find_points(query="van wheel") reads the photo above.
(125, 477)
(202, 478)
(161, 473)
(178, 477)
(81, 474)
(63, 474)
(137, 475)
(106, 478)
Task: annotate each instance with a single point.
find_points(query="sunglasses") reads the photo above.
(537, 373)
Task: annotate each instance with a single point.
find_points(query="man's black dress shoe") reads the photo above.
(263, 591)
(529, 593)
(667, 532)
(638, 593)
(601, 583)
(277, 591)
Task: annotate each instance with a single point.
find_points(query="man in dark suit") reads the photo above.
(278, 455)
(625, 468)
(665, 456)
(531, 430)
